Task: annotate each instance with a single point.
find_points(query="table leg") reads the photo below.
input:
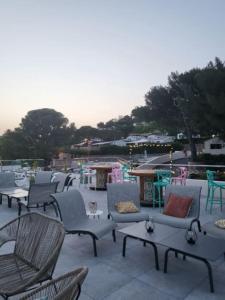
(124, 245)
(209, 268)
(152, 244)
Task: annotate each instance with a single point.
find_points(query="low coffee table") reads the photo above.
(205, 249)
(138, 231)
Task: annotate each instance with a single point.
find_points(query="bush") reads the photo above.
(209, 159)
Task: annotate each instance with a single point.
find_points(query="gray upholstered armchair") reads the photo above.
(117, 192)
(193, 216)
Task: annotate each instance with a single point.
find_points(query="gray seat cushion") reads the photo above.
(183, 223)
(130, 217)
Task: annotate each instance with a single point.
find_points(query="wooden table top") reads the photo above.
(101, 167)
(143, 172)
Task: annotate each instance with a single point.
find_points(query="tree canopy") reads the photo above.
(39, 135)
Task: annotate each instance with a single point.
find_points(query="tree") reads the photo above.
(141, 114)
(162, 109)
(39, 135)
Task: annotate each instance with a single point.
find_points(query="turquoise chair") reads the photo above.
(212, 187)
(163, 179)
(126, 176)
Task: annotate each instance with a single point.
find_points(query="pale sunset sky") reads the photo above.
(94, 60)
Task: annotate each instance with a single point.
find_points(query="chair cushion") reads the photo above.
(126, 218)
(125, 207)
(178, 206)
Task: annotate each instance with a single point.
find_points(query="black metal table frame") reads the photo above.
(145, 242)
(193, 256)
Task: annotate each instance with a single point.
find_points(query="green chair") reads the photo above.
(163, 179)
(212, 187)
(126, 176)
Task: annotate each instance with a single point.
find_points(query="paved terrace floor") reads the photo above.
(113, 277)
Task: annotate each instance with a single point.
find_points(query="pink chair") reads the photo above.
(182, 177)
(112, 174)
(117, 175)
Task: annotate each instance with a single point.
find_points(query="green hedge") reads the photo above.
(209, 159)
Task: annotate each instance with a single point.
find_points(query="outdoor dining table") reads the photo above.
(102, 171)
(147, 177)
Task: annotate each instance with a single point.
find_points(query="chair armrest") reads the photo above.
(9, 232)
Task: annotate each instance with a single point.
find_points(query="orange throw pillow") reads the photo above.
(178, 206)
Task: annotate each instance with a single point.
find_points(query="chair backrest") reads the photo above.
(163, 176)
(41, 193)
(210, 175)
(117, 192)
(61, 178)
(71, 207)
(190, 191)
(7, 180)
(43, 177)
(183, 172)
(39, 240)
(117, 175)
(66, 286)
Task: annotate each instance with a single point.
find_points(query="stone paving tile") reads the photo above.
(102, 280)
(203, 292)
(181, 279)
(138, 290)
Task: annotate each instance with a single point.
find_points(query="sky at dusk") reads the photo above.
(94, 60)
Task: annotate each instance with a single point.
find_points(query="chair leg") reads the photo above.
(55, 209)
(199, 226)
(9, 202)
(114, 235)
(221, 202)
(94, 246)
(207, 199)
(19, 209)
(0, 199)
(153, 196)
(211, 199)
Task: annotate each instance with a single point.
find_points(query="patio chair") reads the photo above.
(182, 177)
(191, 191)
(7, 182)
(62, 179)
(39, 195)
(38, 240)
(122, 192)
(163, 179)
(212, 187)
(73, 215)
(43, 177)
(65, 287)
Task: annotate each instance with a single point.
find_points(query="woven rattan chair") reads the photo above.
(73, 215)
(38, 240)
(65, 287)
(39, 196)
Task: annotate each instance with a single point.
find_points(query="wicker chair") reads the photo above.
(67, 286)
(38, 240)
